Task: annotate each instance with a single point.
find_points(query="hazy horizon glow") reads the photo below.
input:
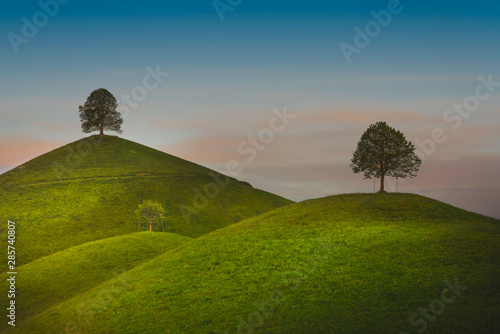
(226, 78)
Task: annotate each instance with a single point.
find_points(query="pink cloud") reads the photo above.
(325, 136)
(206, 149)
(311, 157)
(226, 122)
(18, 149)
(314, 162)
(365, 116)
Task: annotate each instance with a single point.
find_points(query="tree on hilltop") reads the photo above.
(384, 151)
(99, 113)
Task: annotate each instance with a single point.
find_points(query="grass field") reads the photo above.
(356, 263)
(53, 279)
(88, 190)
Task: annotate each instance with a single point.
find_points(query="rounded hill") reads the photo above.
(89, 190)
(360, 263)
(100, 157)
(53, 279)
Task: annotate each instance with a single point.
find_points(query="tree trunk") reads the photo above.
(150, 227)
(381, 182)
(102, 132)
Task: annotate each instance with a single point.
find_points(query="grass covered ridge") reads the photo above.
(51, 280)
(88, 190)
(360, 263)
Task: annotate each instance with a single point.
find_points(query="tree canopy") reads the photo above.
(384, 151)
(149, 211)
(99, 113)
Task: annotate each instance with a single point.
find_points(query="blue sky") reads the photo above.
(226, 77)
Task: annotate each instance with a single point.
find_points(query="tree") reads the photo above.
(99, 113)
(384, 151)
(149, 211)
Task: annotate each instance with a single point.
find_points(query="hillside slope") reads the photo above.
(381, 263)
(88, 190)
(50, 280)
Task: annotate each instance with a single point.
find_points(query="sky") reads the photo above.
(283, 88)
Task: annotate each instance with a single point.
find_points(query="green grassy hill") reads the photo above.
(53, 279)
(88, 190)
(361, 263)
